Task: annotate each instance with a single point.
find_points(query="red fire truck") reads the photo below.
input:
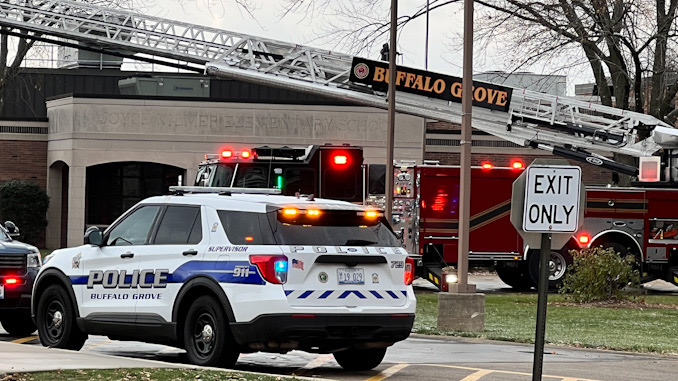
(632, 220)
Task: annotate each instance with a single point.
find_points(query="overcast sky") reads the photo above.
(443, 24)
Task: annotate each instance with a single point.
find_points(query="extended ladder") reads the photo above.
(534, 119)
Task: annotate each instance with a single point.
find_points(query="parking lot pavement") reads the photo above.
(486, 282)
(21, 358)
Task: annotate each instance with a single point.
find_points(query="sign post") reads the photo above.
(546, 202)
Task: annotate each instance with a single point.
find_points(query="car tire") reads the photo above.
(207, 338)
(18, 325)
(56, 320)
(360, 359)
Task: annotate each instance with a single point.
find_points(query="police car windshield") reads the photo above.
(375, 235)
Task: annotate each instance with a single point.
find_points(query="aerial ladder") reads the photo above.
(567, 127)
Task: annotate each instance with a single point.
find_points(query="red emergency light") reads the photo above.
(487, 166)
(340, 160)
(517, 165)
(11, 280)
(227, 153)
(245, 154)
(584, 239)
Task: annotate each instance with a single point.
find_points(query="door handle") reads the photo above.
(190, 252)
(127, 255)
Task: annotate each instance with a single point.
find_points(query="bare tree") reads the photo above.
(623, 43)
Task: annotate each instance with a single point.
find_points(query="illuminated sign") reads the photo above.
(434, 85)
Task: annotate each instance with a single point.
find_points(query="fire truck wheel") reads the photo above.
(623, 250)
(559, 262)
(517, 276)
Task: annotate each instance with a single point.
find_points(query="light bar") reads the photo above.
(193, 189)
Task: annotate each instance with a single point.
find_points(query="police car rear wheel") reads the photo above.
(56, 320)
(360, 359)
(207, 337)
(19, 325)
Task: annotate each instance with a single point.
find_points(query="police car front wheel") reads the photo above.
(207, 338)
(56, 320)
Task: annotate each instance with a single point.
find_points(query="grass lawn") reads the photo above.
(142, 375)
(649, 325)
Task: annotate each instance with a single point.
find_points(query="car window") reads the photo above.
(332, 229)
(252, 177)
(300, 180)
(246, 228)
(340, 184)
(135, 228)
(222, 177)
(179, 225)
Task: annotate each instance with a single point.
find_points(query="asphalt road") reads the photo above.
(453, 359)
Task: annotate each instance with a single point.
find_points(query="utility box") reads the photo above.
(73, 58)
(166, 86)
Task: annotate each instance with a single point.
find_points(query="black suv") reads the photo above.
(19, 264)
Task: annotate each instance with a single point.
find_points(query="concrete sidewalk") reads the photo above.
(32, 358)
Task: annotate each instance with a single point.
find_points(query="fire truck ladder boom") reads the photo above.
(534, 119)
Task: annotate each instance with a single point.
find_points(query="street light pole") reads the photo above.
(465, 160)
(426, 47)
(391, 110)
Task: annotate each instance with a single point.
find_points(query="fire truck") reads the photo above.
(640, 221)
(637, 220)
(328, 171)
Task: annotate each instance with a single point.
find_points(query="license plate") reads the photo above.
(2, 291)
(351, 276)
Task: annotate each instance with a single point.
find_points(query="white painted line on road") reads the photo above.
(24, 340)
(388, 372)
(476, 376)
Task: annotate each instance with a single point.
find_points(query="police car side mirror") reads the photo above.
(93, 236)
(12, 229)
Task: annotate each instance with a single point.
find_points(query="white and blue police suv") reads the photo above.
(230, 273)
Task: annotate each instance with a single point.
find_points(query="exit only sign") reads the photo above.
(552, 199)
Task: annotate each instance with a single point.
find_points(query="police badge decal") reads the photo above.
(75, 262)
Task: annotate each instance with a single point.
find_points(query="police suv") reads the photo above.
(225, 273)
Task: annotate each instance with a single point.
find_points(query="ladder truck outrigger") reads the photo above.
(640, 220)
